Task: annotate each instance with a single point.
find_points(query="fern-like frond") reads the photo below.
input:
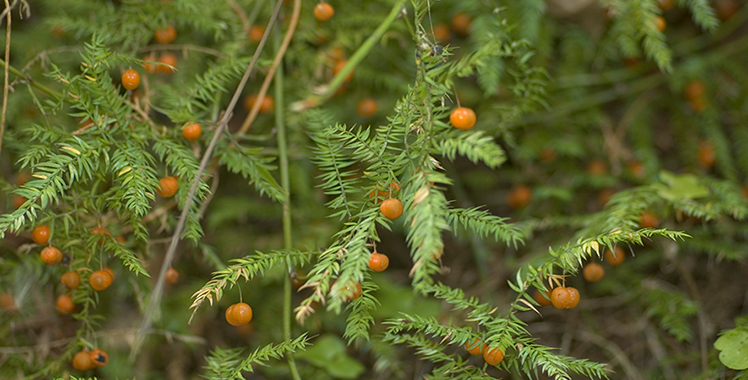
(483, 224)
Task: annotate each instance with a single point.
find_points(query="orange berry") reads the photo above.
(192, 132)
(597, 168)
(51, 255)
(168, 59)
(603, 197)
(593, 272)
(99, 358)
(660, 23)
(323, 11)
(65, 304)
(103, 231)
(130, 79)
(172, 276)
(442, 33)
(461, 23)
(707, 154)
(255, 33)
(462, 118)
(7, 302)
(100, 230)
(58, 31)
(18, 201)
(698, 104)
(22, 178)
(547, 155)
(110, 271)
(338, 67)
(391, 208)
(267, 105)
(239, 314)
(378, 262)
(519, 196)
(648, 220)
(665, 5)
(351, 291)
(476, 347)
(82, 361)
(726, 9)
(165, 35)
(168, 186)
(493, 356)
(367, 107)
(40, 234)
(565, 297)
(538, 297)
(631, 62)
(71, 279)
(378, 195)
(636, 168)
(694, 89)
(150, 67)
(616, 257)
(336, 54)
(100, 280)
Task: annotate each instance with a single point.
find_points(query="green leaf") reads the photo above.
(733, 347)
(679, 187)
(328, 353)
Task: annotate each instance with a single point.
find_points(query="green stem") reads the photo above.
(42, 87)
(357, 57)
(285, 183)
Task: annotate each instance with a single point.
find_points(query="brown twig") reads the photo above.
(618, 354)
(44, 53)
(158, 289)
(6, 72)
(269, 76)
(213, 188)
(695, 295)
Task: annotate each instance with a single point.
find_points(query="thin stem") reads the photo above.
(338, 80)
(42, 87)
(5, 77)
(285, 183)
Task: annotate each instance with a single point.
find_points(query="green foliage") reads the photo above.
(672, 309)
(732, 345)
(599, 142)
(230, 363)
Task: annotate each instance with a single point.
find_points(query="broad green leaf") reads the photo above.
(733, 347)
(679, 187)
(329, 353)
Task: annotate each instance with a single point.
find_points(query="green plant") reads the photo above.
(596, 136)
